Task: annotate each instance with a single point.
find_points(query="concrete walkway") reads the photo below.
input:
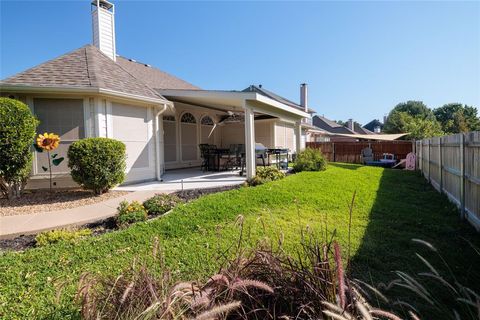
(12, 226)
(174, 180)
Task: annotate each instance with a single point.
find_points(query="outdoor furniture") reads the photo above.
(279, 153)
(230, 157)
(388, 161)
(204, 155)
(366, 155)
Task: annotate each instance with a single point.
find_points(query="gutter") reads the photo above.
(79, 90)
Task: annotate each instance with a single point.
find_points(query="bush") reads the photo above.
(17, 132)
(266, 174)
(61, 235)
(97, 164)
(161, 203)
(310, 160)
(130, 213)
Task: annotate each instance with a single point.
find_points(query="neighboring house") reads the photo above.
(375, 126)
(93, 92)
(336, 130)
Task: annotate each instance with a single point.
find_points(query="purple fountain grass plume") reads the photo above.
(127, 292)
(244, 284)
(219, 310)
(363, 311)
(218, 278)
(413, 315)
(340, 274)
(385, 314)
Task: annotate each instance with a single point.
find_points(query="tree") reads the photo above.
(455, 118)
(413, 108)
(17, 131)
(415, 118)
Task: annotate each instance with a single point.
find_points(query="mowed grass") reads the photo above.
(391, 208)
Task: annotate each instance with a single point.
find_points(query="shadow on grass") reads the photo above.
(407, 207)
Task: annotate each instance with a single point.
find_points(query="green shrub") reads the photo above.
(61, 235)
(97, 164)
(130, 213)
(266, 174)
(161, 203)
(17, 133)
(310, 160)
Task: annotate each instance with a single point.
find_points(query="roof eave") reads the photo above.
(80, 90)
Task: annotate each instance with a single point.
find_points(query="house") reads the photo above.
(375, 126)
(93, 92)
(339, 132)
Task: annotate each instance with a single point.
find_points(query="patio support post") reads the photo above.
(298, 137)
(159, 142)
(249, 141)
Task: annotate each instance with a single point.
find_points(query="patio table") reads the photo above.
(214, 158)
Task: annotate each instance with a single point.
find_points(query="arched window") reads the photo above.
(206, 121)
(188, 132)
(188, 118)
(206, 133)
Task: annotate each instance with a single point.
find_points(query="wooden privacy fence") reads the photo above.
(452, 165)
(343, 151)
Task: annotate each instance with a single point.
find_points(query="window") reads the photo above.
(168, 118)
(61, 116)
(206, 121)
(188, 118)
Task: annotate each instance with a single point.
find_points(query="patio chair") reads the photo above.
(205, 156)
(230, 157)
(366, 155)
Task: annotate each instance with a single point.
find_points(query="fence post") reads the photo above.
(420, 156)
(462, 175)
(428, 151)
(440, 164)
(333, 147)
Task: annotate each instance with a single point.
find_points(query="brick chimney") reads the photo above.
(304, 96)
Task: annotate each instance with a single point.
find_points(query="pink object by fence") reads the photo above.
(410, 161)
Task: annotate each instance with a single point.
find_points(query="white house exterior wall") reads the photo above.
(133, 125)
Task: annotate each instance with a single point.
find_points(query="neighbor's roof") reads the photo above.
(152, 76)
(362, 130)
(276, 97)
(330, 126)
(84, 68)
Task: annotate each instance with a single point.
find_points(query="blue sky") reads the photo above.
(359, 58)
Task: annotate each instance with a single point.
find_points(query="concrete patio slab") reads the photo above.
(186, 179)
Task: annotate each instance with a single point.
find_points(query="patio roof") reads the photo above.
(233, 101)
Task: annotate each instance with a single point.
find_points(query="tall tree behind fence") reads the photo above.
(452, 165)
(343, 151)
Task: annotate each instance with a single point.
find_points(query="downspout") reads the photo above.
(159, 141)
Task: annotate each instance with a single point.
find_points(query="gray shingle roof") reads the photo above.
(154, 77)
(87, 68)
(330, 126)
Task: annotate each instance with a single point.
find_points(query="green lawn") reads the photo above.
(391, 207)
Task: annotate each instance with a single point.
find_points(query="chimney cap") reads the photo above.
(103, 4)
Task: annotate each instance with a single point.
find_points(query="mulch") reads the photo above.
(35, 201)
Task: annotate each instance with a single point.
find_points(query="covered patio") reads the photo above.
(250, 118)
(187, 179)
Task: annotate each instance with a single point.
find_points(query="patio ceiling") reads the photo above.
(235, 101)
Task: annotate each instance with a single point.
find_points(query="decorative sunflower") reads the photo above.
(47, 141)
